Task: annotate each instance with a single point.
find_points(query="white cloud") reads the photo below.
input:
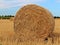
(14, 3)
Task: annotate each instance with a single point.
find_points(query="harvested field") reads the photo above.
(7, 35)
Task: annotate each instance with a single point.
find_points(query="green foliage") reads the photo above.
(6, 17)
(56, 17)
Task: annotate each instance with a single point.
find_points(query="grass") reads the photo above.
(7, 35)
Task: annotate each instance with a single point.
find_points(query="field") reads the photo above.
(7, 35)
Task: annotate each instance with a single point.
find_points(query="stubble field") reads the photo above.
(7, 34)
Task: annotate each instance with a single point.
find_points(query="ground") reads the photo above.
(7, 34)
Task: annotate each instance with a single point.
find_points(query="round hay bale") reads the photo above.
(33, 22)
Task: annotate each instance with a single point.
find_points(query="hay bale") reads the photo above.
(33, 22)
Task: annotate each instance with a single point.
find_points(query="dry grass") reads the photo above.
(7, 35)
(33, 22)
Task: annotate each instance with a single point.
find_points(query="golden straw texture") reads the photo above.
(33, 22)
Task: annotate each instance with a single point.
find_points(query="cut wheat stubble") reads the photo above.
(33, 22)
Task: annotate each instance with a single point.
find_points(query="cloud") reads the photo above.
(14, 3)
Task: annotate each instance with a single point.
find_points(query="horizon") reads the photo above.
(10, 7)
(14, 15)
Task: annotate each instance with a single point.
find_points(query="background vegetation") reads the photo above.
(56, 17)
(6, 16)
(9, 16)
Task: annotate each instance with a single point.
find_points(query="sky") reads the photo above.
(10, 7)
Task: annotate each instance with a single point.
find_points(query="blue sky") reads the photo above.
(10, 7)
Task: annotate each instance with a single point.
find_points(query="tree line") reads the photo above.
(6, 16)
(9, 16)
(56, 16)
